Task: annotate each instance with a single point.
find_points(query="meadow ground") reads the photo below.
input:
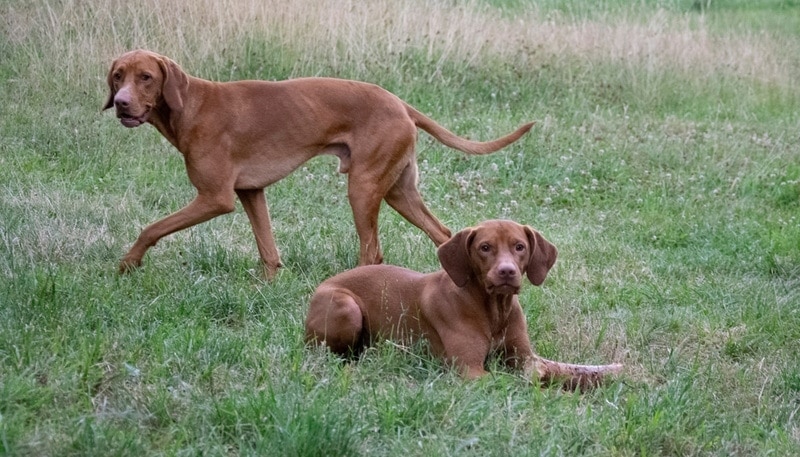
(665, 165)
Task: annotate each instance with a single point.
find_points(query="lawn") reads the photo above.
(664, 165)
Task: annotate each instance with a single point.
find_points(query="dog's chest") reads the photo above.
(499, 314)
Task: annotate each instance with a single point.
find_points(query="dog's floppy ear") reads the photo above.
(111, 91)
(542, 258)
(454, 257)
(175, 83)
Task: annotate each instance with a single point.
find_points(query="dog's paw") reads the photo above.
(129, 265)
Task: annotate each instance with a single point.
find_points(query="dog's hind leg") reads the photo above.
(405, 198)
(335, 319)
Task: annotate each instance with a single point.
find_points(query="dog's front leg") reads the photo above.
(255, 205)
(569, 375)
(464, 350)
(201, 209)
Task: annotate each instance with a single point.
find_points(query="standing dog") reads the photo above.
(466, 311)
(239, 137)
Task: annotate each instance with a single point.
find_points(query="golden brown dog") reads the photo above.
(239, 137)
(466, 311)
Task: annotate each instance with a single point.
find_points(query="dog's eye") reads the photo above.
(145, 77)
(485, 247)
(117, 76)
(519, 247)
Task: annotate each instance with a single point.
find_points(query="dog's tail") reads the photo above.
(454, 141)
(572, 376)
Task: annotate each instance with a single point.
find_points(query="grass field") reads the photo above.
(665, 165)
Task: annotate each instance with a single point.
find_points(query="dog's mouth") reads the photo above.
(130, 121)
(503, 288)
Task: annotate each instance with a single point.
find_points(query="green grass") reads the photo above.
(664, 165)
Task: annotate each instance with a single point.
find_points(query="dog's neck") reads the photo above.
(163, 120)
(498, 308)
(168, 121)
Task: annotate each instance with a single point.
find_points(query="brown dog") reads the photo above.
(239, 137)
(466, 311)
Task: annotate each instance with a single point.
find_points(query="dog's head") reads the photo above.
(496, 254)
(141, 81)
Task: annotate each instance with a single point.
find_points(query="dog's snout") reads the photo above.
(507, 270)
(120, 102)
(122, 99)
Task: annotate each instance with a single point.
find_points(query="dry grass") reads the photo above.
(62, 235)
(346, 33)
(672, 198)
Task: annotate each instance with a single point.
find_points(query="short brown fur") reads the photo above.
(467, 310)
(239, 137)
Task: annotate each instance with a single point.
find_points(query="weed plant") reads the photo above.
(664, 165)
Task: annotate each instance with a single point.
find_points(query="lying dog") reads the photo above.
(466, 311)
(239, 137)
